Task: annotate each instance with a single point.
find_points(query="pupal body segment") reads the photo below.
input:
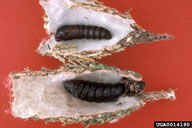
(103, 92)
(70, 32)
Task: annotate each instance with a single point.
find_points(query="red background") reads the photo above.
(162, 64)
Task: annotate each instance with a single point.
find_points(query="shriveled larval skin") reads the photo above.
(52, 102)
(124, 30)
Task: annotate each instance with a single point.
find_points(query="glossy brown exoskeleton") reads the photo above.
(70, 32)
(100, 92)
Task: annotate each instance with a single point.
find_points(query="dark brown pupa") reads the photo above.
(70, 32)
(100, 92)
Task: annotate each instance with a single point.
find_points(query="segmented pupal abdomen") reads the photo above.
(70, 32)
(98, 92)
